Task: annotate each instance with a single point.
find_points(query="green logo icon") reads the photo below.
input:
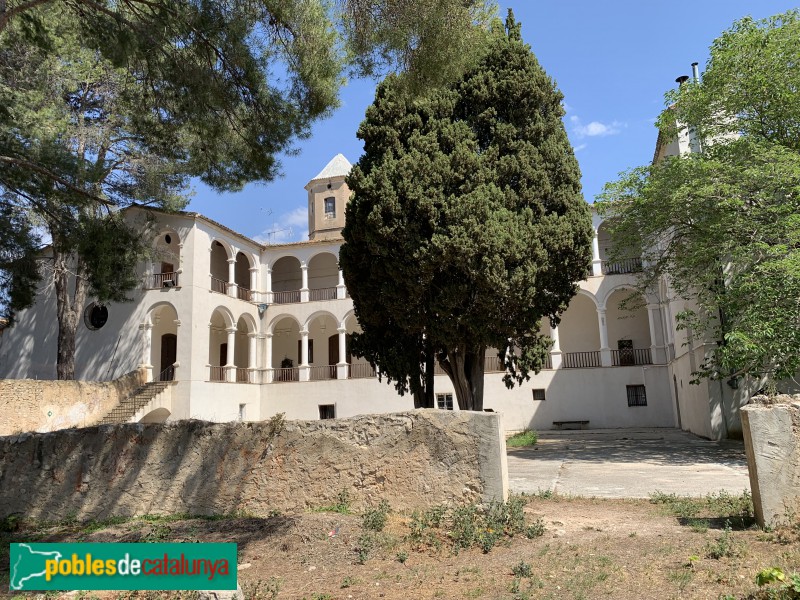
(86, 566)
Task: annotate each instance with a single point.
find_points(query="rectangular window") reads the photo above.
(538, 395)
(444, 401)
(242, 412)
(330, 208)
(327, 411)
(636, 395)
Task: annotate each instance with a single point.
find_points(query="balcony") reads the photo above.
(628, 357)
(328, 293)
(242, 293)
(581, 360)
(219, 286)
(322, 373)
(360, 371)
(290, 297)
(161, 280)
(621, 267)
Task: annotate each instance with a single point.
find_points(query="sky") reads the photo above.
(612, 60)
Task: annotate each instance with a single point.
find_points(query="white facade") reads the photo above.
(248, 331)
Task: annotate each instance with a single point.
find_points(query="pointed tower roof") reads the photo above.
(339, 166)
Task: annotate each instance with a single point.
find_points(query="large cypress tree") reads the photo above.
(467, 224)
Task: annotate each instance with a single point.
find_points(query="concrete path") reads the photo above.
(628, 463)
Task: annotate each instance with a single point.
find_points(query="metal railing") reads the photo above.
(243, 293)
(321, 373)
(290, 297)
(620, 267)
(167, 374)
(216, 374)
(580, 360)
(360, 371)
(287, 374)
(161, 280)
(492, 364)
(322, 294)
(244, 375)
(219, 285)
(631, 356)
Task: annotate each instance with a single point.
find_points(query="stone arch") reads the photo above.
(628, 328)
(287, 279)
(220, 253)
(163, 319)
(323, 275)
(159, 415)
(579, 329)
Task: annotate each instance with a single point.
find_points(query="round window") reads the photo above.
(168, 238)
(95, 316)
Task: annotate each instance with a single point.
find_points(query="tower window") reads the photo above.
(330, 208)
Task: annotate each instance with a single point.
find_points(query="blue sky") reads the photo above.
(612, 60)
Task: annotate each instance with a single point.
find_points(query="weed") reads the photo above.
(790, 590)
(721, 505)
(544, 494)
(158, 533)
(632, 534)
(698, 525)
(342, 505)
(364, 547)
(681, 577)
(476, 593)
(522, 569)
(10, 523)
(374, 519)
(402, 557)
(276, 424)
(268, 590)
(523, 439)
(534, 530)
(348, 582)
(724, 546)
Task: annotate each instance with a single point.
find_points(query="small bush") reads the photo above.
(725, 546)
(522, 569)
(523, 439)
(535, 530)
(374, 519)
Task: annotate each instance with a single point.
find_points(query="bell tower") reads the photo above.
(327, 196)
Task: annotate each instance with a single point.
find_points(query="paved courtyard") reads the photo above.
(627, 463)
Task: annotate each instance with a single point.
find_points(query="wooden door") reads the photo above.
(169, 354)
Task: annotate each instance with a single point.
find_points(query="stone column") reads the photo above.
(340, 289)
(342, 366)
(230, 368)
(305, 369)
(232, 277)
(304, 286)
(605, 351)
(270, 373)
(147, 346)
(251, 351)
(253, 284)
(658, 347)
(597, 265)
(268, 290)
(555, 351)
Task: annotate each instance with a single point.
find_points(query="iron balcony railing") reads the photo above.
(161, 280)
(580, 360)
(286, 374)
(216, 374)
(631, 356)
(322, 373)
(290, 297)
(360, 371)
(621, 267)
(243, 293)
(322, 294)
(219, 285)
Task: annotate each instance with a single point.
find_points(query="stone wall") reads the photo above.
(772, 442)
(39, 405)
(412, 459)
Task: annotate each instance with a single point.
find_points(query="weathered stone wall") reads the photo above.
(39, 405)
(410, 459)
(772, 442)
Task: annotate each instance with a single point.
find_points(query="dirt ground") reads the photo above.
(590, 548)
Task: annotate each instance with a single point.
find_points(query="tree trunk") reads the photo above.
(465, 369)
(68, 309)
(424, 398)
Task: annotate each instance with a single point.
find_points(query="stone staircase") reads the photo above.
(129, 406)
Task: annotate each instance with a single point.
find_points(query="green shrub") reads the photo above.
(374, 519)
(523, 439)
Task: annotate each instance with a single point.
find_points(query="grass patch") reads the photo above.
(341, 506)
(523, 439)
(718, 510)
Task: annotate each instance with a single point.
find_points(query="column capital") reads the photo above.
(230, 330)
(304, 331)
(232, 261)
(269, 335)
(254, 269)
(252, 334)
(342, 330)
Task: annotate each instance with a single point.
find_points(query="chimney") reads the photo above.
(695, 73)
(681, 80)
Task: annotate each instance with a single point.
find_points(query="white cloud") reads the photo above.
(595, 128)
(288, 227)
(580, 147)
